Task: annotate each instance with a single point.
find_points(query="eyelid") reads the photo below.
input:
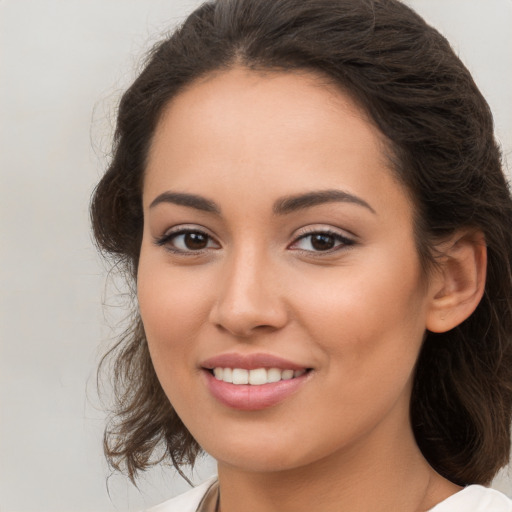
(341, 236)
(343, 240)
(183, 229)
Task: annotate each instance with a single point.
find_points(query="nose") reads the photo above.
(249, 298)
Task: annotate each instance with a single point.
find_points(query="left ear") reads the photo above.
(459, 282)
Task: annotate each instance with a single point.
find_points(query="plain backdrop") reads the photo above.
(63, 65)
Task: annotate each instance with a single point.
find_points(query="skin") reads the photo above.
(356, 314)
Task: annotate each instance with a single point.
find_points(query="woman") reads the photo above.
(311, 202)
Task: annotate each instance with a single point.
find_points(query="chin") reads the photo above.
(252, 463)
(262, 455)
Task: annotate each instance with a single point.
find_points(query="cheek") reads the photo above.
(369, 332)
(172, 306)
(361, 317)
(173, 311)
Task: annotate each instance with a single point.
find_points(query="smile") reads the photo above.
(256, 377)
(251, 382)
(260, 392)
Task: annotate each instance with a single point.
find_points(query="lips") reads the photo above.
(253, 382)
(250, 362)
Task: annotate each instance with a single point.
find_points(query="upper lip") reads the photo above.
(250, 362)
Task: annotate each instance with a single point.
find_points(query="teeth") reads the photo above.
(273, 375)
(240, 376)
(256, 377)
(227, 375)
(287, 374)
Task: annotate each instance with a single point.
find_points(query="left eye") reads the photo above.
(321, 242)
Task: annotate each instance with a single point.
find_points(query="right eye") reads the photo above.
(187, 241)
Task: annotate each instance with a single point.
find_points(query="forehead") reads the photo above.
(279, 131)
(239, 97)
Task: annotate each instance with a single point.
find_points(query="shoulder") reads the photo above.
(186, 502)
(475, 498)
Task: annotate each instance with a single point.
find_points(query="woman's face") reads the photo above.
(278, 243)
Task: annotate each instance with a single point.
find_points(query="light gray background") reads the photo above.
(63, 64)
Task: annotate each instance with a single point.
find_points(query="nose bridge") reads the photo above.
(248, 296)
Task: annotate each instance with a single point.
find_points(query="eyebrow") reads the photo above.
(282, 206)
(190, 200)
(293, 203)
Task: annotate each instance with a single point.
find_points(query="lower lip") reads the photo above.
(246, 397)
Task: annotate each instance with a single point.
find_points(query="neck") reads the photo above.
(381, 473)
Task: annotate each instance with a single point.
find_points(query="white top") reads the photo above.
(473, 498)
(186, 502)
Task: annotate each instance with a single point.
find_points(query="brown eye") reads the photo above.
(195, 241)
(187, 241)
(322, 242)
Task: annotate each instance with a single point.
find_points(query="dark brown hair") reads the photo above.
(404, 74)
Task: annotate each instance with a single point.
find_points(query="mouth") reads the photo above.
(251, 382)
(256, 376)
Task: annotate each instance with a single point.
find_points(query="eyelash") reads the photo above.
(167, 239)
(343, 241)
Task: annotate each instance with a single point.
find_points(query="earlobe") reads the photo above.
(459, 283)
